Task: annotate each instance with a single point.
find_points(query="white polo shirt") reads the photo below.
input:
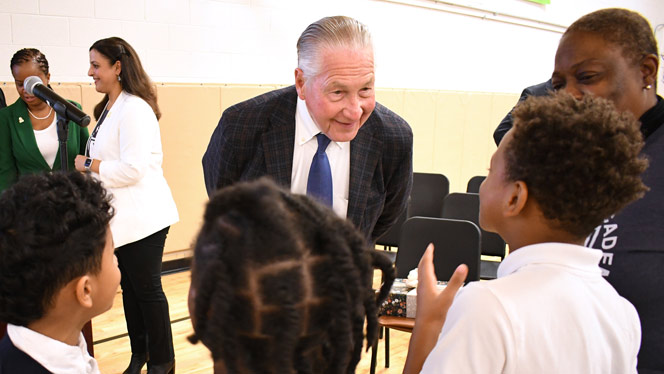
(549, 311)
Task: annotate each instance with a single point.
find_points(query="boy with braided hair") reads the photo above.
(564, 167)
(280, 284)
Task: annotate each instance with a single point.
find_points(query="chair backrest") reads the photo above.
(474, 184)
(426, 197)
(466, 206)
(391, 237)
(456, 241)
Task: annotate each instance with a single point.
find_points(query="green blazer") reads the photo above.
(19, 153)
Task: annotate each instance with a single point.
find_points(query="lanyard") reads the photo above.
(93, 137)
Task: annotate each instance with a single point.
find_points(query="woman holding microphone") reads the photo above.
(124, 151)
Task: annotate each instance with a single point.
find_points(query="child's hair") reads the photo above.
(52, 230)
(579, 158)
(282, 284)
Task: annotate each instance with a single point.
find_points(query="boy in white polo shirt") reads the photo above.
(57, 271)
(565, 166)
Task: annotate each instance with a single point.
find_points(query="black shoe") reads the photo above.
(165, 368)
(136, 363)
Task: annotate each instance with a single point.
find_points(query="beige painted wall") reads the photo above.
(452, 135)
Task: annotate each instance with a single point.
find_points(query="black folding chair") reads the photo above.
(391, 237)
(426, 197)
(467, 206)
(456, 242)
(474, 184)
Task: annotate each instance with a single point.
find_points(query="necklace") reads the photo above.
(46, 116)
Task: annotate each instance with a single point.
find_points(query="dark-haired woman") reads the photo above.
(28, 130)
(124, 151)
(612, 53)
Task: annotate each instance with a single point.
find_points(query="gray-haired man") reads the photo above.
(366, 150)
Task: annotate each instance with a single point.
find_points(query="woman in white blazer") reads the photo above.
(124, 152)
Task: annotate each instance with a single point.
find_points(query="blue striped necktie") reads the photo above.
(319, 183)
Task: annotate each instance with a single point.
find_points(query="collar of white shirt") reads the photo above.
(305, 127)
(559, 254)
(54, 355)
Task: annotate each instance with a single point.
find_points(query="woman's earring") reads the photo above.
(645, 88)
(119, 79)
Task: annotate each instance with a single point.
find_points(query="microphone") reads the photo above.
(34, 86)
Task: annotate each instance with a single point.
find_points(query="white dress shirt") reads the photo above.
(549, 311)
(47, 142)
(54, 355)
(338, 153)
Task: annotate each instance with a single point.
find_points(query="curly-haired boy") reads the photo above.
(565, 166)
(57, 271)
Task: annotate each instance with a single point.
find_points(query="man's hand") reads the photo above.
(432, 307)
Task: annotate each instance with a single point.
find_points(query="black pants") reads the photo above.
(145, 304)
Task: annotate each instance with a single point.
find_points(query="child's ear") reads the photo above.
(84, 291)
(517, 198)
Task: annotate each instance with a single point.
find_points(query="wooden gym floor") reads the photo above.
(112, 350)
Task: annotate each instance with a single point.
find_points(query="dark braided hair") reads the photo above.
(280, 284)
(52, 230)
(133, 77)
(29, 55)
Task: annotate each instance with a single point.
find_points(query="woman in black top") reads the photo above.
(612, 53)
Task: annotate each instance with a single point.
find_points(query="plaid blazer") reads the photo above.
(257, 137)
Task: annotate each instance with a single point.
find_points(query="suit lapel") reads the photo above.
(365, 151)
(26, 137)
(279, 140)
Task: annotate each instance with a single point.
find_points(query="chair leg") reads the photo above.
(374, 353)
(387, 347)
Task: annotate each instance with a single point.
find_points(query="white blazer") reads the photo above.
(129, 145)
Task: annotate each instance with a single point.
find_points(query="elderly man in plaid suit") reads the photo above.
(326, 136)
